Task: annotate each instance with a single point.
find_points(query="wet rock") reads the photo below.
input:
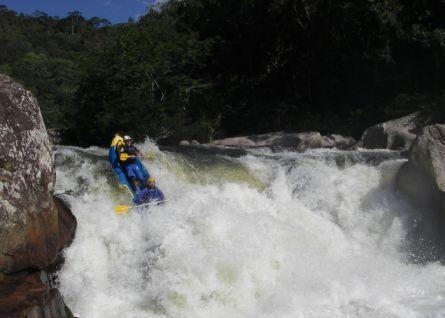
(299, 141)
(338, 141)
(309, 140)
(67, 224)
(55, 136)
(194, 142)
(30, 296)
(184, 143)
(233, 142)
(29, 218)
(422, 181)
(394, 134)
(426, 164)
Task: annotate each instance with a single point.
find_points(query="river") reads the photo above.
(251, 234)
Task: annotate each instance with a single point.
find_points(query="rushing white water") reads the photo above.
(263, 235)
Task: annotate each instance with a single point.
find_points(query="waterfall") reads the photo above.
(255, 234)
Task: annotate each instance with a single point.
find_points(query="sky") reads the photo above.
(114, 10)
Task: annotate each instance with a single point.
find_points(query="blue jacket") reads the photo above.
(114, 160)
(148, 195)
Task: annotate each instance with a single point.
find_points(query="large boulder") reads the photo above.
(29, 218)
(394, 134)
(426, 166)
(422, 180)
(299, 141)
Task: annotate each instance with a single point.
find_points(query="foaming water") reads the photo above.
(263, 235)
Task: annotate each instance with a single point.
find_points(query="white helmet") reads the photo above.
(127, 138)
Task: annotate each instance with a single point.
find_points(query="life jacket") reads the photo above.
(113, 153)
(117, 141)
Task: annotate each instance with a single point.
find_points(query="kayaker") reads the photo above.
(128, 159)
(149, 194)
(155, 193)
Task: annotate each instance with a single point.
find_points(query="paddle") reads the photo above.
(124, 156)
(121, 209)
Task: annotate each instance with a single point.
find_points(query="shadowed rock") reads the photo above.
(29, 295)
(426, 166)
(422, 180)
(67, 224)
(298, 141)
(394, 134)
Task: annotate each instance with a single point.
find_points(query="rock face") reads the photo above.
(29, 222)
(67, 224)
(54, 136)
(34, 226)
(395, 134)
(426, 165)
(30, 296)
(299, 141)
(422, 180)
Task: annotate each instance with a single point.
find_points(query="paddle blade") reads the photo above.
(121, 209)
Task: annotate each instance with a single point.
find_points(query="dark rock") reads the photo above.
(419, 187)
(55, 136)
(233, 142)
(394, 134)
(428, 153)
(426, 166)
(310, 140)
(29, 218)
(194, 142)
(338, 141)
(67, 224)
(298, 141)
(422, 181)
(30, 296)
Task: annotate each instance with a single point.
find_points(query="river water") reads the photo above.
(245, 234)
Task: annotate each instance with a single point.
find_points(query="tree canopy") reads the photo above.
(204, 68)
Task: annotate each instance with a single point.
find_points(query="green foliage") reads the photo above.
(54, 80)
(204, 69)
(41, 52)
(140, 80)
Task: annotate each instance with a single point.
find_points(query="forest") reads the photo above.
(205, 69)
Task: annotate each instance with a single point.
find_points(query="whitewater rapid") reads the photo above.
(261, 234)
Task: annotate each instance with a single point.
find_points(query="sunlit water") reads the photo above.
(262, 235)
